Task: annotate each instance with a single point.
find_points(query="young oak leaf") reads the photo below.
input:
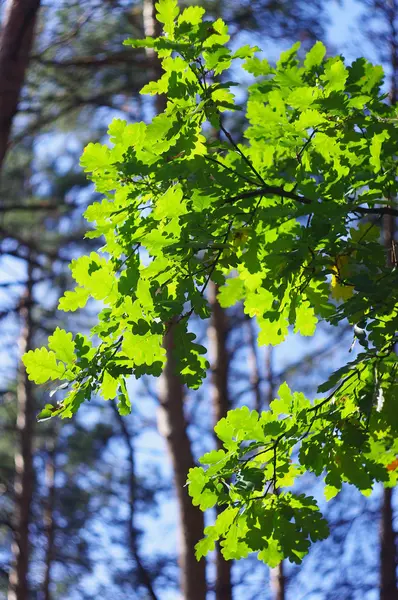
(340, 272)
(109, 386)
(167, 11)
(72, 300)
(315, 56)
(305, 319)
(62, 344)
(42, 366)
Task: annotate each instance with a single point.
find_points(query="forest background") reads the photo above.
(96, 505)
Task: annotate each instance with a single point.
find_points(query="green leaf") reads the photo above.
(203, 547)
(282, 405)
(271, 555)
(71, 301)
(62, 344)
(315, 56)
(231, 293)
(331, 491)
(212, 457)
(109, 386)
(167, 12)
(375, 149)
(42, 366)
(335, 76)
(306, 320)
(257, 66)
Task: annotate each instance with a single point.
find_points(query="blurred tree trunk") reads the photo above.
(278, 577)
(218, 332)
(278, 581)
(388, 563)
(388, 553)
(24, 475)
(255, 377)
(49, 519)
(16, 38)
(173, 425)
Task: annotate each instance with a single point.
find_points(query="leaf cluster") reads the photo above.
(286, 222)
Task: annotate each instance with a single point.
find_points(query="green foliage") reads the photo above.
(288, 223)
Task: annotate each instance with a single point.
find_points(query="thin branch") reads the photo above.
(267, 190)
(377, 210)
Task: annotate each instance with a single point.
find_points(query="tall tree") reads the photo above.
(24, 475)
(16, 38)
(173, 421)
(220, 365)
(381, 28)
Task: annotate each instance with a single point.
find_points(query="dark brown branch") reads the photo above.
(377, 210)
(279, 191)
(266, 191)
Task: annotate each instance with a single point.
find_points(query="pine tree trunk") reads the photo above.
(388, 553)
(255, 378)
(278, 581)
(24, 476)
(388, 562)
(173, 426)
(172, 421)
(278, 577)
(16, 38)
(218, 332)
(388, 557)
(49, 520)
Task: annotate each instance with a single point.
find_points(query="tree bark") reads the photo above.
(278, 577)
(49, 519)
(16, 38)
(217, 333)
(172, 421)
(173, 426)
(388, 562)
(388, 552)
(388, 555)
(24, 475)
(278, 582)
(255, 377)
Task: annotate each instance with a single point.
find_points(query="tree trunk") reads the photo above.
(24, 476)
(49, 521)
(173, 426)
(278, 577)
(388, 563)
(278, 581)
(16, 38)
(391, 9)
(218, 332)
(388, 558)
(172, 421)
(144, 576)
(255, 377)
